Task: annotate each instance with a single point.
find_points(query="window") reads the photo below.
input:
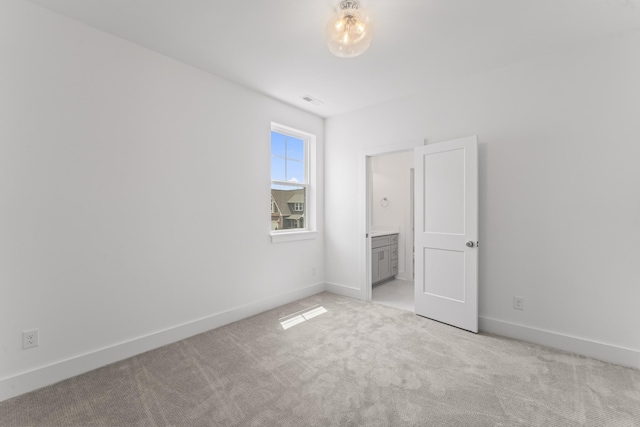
(291, 180)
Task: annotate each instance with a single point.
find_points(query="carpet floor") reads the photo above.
(358, 364)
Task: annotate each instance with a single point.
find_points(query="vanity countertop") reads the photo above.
(385, 231)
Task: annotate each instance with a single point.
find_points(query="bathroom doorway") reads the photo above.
(390, 206)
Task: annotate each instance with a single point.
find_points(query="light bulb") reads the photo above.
(349, 33)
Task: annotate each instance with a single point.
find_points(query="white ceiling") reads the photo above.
(277, 47)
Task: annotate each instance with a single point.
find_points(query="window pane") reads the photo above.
(295, 171)
(295, 159)
(277, 168)
(287, 158)
(295, 148)
(290, 210)
(277, 144)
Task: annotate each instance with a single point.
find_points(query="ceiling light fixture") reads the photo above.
(349, 31)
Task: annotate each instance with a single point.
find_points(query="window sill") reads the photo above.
(293, 236)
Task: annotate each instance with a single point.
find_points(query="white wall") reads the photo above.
(559, 185)
(133, 199)
(391, 179)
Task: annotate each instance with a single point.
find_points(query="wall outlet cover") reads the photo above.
(518, 303)
(30, 339)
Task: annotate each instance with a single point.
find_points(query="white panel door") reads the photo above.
(446, 232)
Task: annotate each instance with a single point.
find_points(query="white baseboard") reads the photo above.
(404, 276)
(346, 291)
(597, 350)
(59, 371)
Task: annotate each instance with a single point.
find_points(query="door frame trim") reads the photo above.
(364, 206)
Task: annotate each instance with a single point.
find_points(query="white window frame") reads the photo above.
(309, 231)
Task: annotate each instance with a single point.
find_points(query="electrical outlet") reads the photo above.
(29, 339)
(518, 303)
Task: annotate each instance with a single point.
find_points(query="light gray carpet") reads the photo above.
(359, 364)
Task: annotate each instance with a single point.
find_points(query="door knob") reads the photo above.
(470, 244)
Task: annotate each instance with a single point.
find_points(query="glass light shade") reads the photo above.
(349, 31)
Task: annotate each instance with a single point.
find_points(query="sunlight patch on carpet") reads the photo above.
(301, 316)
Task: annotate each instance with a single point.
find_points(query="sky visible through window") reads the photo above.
(287, 158)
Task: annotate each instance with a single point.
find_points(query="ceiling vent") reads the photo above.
(311, 100)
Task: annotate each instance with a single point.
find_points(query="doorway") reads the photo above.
(390, 222)
(446, 241)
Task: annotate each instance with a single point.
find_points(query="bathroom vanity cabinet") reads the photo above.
(384, 257)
